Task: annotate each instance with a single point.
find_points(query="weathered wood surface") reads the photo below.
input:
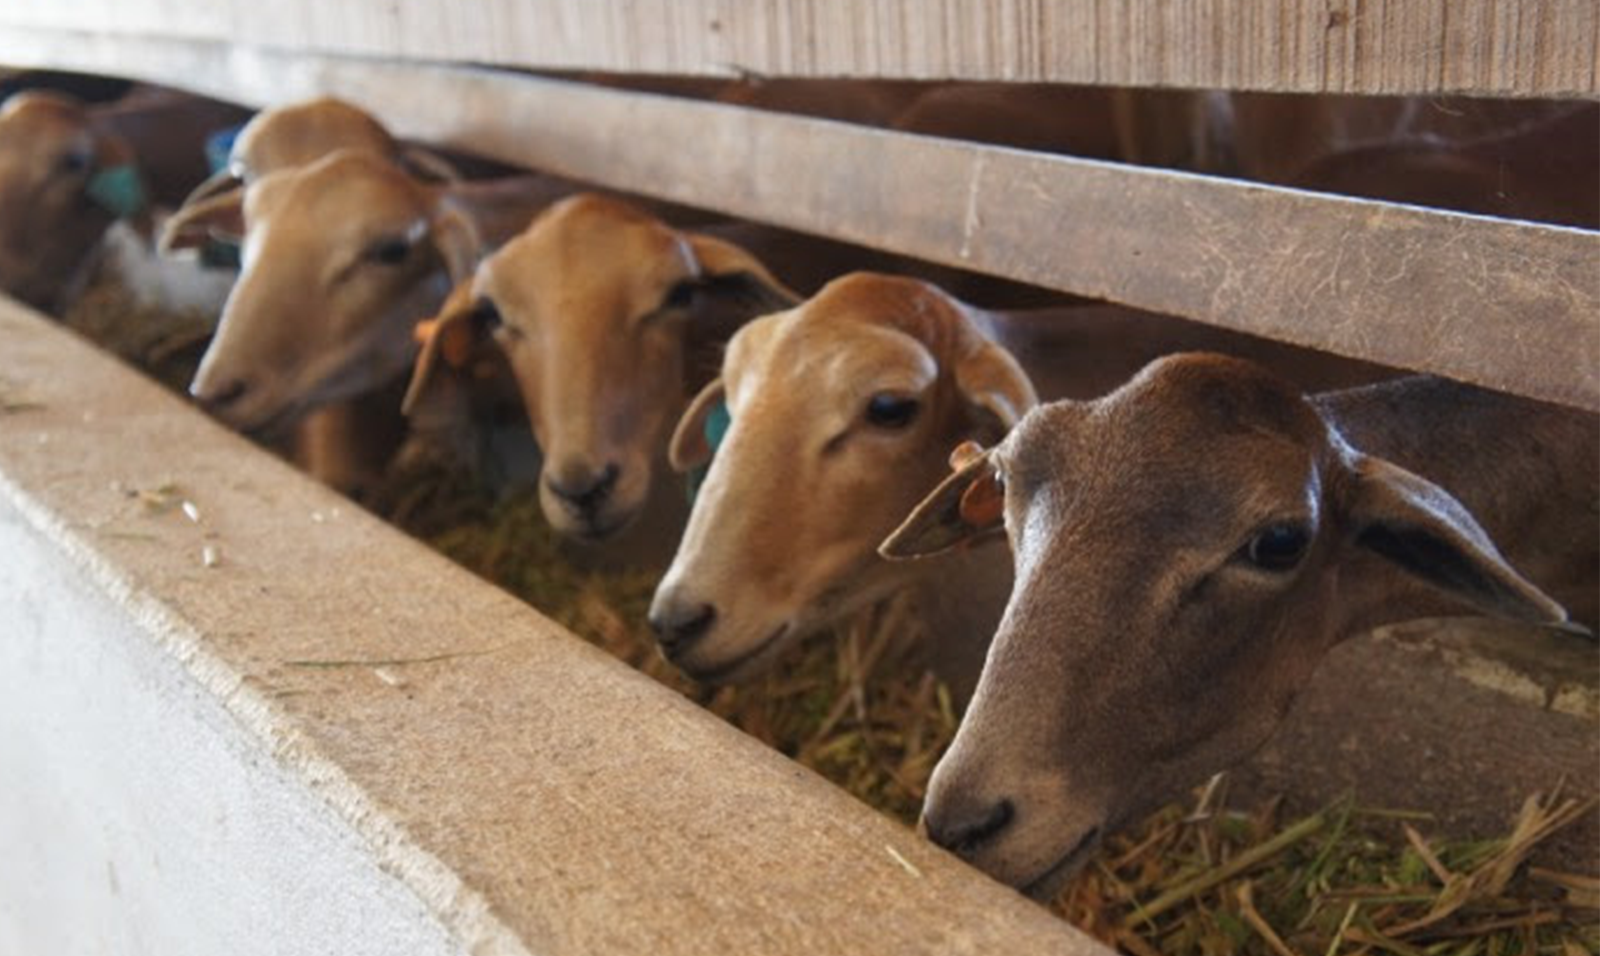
(1499, 47)
(1509, 305)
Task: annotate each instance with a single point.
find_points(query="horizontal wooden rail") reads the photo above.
(1495, 47)
(1509, 305)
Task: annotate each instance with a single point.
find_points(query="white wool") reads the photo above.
(176, 283)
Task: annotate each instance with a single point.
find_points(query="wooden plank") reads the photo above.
(1492, 47)
(1509, 305)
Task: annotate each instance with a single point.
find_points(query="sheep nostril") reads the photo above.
(584, 490)
(679, 627)
(966, 837)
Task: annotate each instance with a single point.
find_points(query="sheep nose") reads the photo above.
(679, 624)
(965, 831)
(581, 489)
(220, 397)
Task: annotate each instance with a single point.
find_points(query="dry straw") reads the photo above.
(856, 707)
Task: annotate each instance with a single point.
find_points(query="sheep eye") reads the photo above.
(681, 296)
(886, 410)
(73, 162)
(1278, 547)
(390, 251)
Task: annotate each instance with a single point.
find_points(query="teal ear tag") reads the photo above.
(117, 189)
(220, 254)
(219, 146)
(717, 422)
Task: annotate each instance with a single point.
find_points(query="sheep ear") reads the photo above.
(218, 217)
(426, 164)
(692, 446)
(458, 243)
(966, 506)
(996, 389)
(1418, 526)
(449, 337)
(217, 183)
(733, 274)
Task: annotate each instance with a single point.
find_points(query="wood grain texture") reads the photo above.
(1508, 305)
(1495, 47)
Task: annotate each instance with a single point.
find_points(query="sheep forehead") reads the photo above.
(1178, 407)
(601, 258)
(822, 371)
(916, 308)
(866, 327)
(595, 223)
(323, 122)
(28, 132)
(272, 146)
(339, 201)
(1154, 466)
(1209, 394)
(42, 108)
(272, 141)
(874, 292)
(355, 179)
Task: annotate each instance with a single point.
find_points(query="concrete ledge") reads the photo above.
(1541, 669)
(239, 715)
(1403, 719)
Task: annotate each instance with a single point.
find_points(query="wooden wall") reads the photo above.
(1500, 47)
(1510, 305)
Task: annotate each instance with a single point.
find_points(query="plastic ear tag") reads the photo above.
(424, 331)
(718, 420)
(221, 254)
(454, 340)
(964, 454)
(117, 189)
(455, 344)
(219, 146)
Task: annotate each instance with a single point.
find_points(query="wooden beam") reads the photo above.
(1491, 47)
(1509, 305)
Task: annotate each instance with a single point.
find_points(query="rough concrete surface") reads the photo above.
(1391, 720)
(137, 817)
(531, 793)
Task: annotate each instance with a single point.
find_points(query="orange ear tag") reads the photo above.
(424, 331)
(984, 502)
(964, 454)
(456, 344)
